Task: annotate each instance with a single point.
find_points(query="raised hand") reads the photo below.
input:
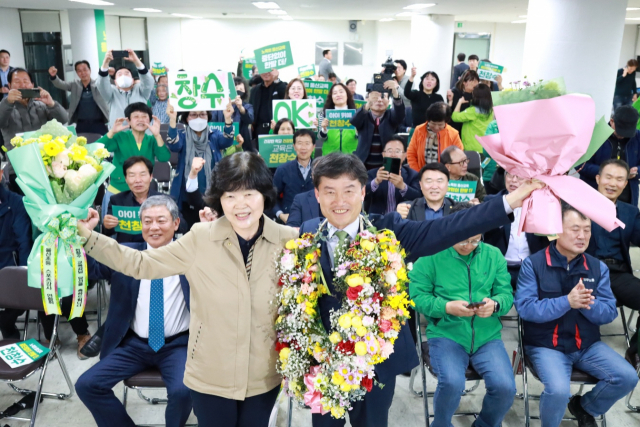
(154, 127)
(85, 226)
(46, 98)
(119, 125)
(53, 71)
(196, 166)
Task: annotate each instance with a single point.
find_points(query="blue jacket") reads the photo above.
(289, 182)
(375, 202)
(590, 169)
(364, 124)
(628, 235)
(217, 142)
(304, 208)
(15, 229)
(418, 238)
(243, 120)
(124, 298)
(499, 237)
(541, 300)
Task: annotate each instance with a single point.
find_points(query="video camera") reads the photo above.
(389, 68)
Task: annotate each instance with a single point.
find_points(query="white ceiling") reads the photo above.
(464, 10)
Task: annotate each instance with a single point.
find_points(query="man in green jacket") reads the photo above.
(463, 291)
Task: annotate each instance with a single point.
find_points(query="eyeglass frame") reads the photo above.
(461, 162)
(474, 243)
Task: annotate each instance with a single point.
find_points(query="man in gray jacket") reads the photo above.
(325, 68)
(124, 92)
(87, 108)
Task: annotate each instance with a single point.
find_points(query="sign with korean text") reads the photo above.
(220, 126)
(307, 71)
(360, 103)
(276, 149)
(101, 34)
(301, 112)
(340, 119)
(274, 56)
(489, 71)
(318, 91)
(200, 91)
(462, 191)
(128, 219)
(247, 67)
(22, 353)
(158, 69)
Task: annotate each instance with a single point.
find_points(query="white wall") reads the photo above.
(11, 35)
(84, 40)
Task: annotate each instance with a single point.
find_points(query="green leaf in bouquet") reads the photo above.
(601, 132)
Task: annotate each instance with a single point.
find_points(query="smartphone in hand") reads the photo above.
(29, 93)
(119, 54)
(478, 304)
(392, 165)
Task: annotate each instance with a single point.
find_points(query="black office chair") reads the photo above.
(162, 175)
(475, 166)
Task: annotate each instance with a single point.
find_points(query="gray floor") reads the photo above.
(406, 411)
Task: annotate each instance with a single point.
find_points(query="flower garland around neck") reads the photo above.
(327, 372)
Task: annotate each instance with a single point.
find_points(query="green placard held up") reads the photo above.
(340, 119)
(462, 191)
(359, 103)
(274, 56)
(318, 91)
(247, 67)
(489, 71)
(307, 71)
(128, 219)
(220, 127)
(276, 149)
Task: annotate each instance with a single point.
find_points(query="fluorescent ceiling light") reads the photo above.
(387, 19)
(146, 9)
(182, 15)
(277, 12)
(521, 21)
(286, 18)
(633, 8)
(405, 14)
(633, 19)
(418, 6)
(94, 2)
(266, 5)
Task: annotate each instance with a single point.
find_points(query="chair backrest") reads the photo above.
(91, 137)
(162, 171)
(174, 159)
(15, 293)
(474, 166)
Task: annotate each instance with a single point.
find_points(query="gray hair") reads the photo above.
(161, 200)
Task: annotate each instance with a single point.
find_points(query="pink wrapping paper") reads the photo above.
(312, 397)
(542, 140)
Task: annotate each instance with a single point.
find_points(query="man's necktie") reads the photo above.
(156, 315)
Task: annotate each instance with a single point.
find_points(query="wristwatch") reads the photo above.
(496, 306)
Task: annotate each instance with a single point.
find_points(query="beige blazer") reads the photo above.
(232, 337)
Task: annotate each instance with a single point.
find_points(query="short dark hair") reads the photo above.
(337, 164)
(439, 112)
(83, 61)
(618, 162)
(137, 159)
(304, 132)
(435, 166)
(481, 98)
(460, 206)
(472, 57)
(401, 62)
(632, 63)
(349, 81)
(566, 207)
(332, 75)
(276, 128)
(138, 106)
(185, 114)
(461, 57)
(243, 170)
(434, 75)
(396, 137)
(445, 156)
(5, 51)
(324, 52)
(467, 76)
(19, 70)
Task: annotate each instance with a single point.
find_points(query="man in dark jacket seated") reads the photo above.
(135, 339)
(563, 297)
(515, 247)
(613, 247)
(434, 183)
(385, 189)
(305, 207)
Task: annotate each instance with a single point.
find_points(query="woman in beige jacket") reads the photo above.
(230, 265)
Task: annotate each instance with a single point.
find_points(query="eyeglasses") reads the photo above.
(201, 115)
(470, 242)
(461, 162)
(393, 151)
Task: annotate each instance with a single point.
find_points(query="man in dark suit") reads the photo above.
(516, 248)
(147, 327)
(386, 189)
(434, 183)
(305, 206)
(261, 98)
(339, 180)
(459, 69)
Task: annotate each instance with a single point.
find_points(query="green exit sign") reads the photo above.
(459, 24)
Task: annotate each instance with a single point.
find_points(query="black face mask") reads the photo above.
(240, 94)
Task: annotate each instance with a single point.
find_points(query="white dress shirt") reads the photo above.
(332, 240)
(176, 315)
(518, 249)
(192, 185)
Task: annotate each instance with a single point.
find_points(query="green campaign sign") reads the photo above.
(274, 56)
(340, 119)
(359, 103)
(318, 91)
(220, 126)
(193, 91)
(489, 71)
(276, 149)
(101, 34)
(301, 112)
(23, 353)
(247, 67)
(307, 71)
(158, 69)
(462, 191)
(128, 219)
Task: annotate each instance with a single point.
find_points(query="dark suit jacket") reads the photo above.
(15, 229)
(419, 239)
(375, 202)
(364, 124)
(305, 206)
(628, 214)
(418, 209)
(499, 237)
(124, 297)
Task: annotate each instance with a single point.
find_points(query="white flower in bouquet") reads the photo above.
(63, 158)
(58, 169)
(76, 182)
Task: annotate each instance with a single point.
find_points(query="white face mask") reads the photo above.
(198, 125)
(124, 82)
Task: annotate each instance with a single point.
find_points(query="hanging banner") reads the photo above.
(318, 91)
(301, 112)
(276, 149)
(101, 34)
(200, 91)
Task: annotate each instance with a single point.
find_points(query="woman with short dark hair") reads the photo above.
(230, 265)
(476, 118)
(423, 98)
(464, 89)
